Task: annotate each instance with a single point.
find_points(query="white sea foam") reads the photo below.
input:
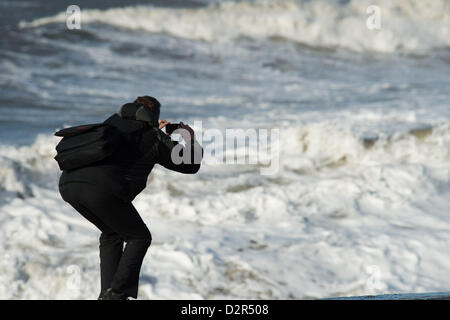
(406, 25)
(338, 206)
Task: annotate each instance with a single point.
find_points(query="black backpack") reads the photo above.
(87, 144)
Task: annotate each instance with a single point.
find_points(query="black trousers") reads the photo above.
(119, 223)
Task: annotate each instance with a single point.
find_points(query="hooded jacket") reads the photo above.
(125, 173)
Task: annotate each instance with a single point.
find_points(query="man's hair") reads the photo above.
(149, 102)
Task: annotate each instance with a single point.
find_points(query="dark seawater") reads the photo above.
(219, 72)
(39, 78)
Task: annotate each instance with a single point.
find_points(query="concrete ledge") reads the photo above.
(401, 296)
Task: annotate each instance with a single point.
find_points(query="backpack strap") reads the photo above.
(73, 131)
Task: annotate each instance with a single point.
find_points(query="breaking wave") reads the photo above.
(309, 148)
(351, 196)
(411, 26)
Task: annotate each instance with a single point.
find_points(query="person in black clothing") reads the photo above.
(103, 192)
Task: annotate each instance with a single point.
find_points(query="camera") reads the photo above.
(171, 127)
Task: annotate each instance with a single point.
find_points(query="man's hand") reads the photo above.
(162, 123)
(187, 132)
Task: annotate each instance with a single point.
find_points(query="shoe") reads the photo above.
(111, 295)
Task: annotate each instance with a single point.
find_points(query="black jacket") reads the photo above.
(125, 173)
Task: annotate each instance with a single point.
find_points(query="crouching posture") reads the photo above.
(103, 192)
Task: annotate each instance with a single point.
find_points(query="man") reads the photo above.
(103, 192)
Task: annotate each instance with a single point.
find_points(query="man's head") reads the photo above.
(151, 103)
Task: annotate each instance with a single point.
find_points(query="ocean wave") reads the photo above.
(327, 145)
(338, 197)
(304, 150)
(410, 26)
(23, 167)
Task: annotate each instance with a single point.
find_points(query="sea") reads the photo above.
(354, 95)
